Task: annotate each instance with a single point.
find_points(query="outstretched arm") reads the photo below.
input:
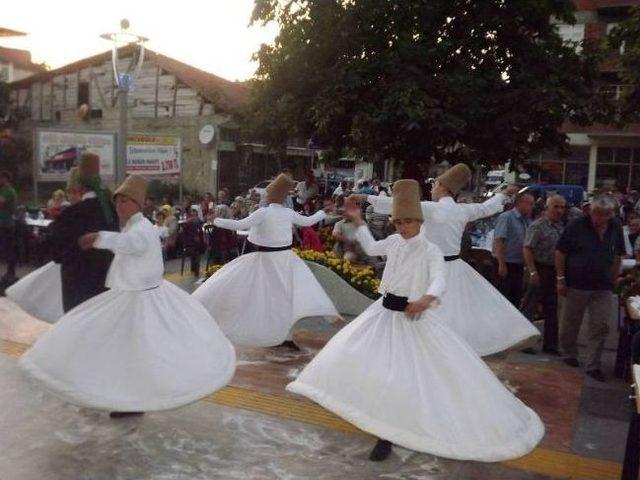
(487, 208)
(127, 243)
(303, 221)
(254, 219)
(383, 205)
(370, 245)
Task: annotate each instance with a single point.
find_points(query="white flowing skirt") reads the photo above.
(258, 297)
(479, 313)
(40, 293)
(418, 385)
(133, 351)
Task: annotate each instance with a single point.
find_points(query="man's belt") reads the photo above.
(451, 258)
(260, 248)
(394, 302)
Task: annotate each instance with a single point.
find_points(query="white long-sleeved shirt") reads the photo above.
(445, 220)
(271, 226)
(137, 262)
(414, 267)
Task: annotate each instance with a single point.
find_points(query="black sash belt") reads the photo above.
(451, 258)
(260, 248)
(395, 303)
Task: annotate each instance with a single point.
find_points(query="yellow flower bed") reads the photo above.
(212, 269)
(362, 279)
(326, 237)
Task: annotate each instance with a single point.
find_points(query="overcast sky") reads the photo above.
(209, 34)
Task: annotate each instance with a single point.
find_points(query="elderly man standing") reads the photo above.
(539, 247)
(509, 235)
(588, 258)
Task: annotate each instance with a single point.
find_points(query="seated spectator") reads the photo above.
(346, 245)
(171, 239)
(365, 188)
(149, 210)
(56, 204)
(192, 240)
(223, 243)
(163, 231)
(632, 234)
(240, 208)
(377, 223)
(306, 191)
(311, 239)
(342, 190)
(207, 204)
(223, 197)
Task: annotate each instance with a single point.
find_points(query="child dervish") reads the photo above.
(473, 308)
(399, 373)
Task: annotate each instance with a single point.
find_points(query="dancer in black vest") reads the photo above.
(83, 272)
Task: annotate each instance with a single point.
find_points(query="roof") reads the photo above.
(7, 32)
(223, 93)
(20, 59)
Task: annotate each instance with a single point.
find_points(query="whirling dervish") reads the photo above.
(144, 344)
(258, 297)
(398, 372)
(471, 306)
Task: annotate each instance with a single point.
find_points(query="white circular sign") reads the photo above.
(206, 134)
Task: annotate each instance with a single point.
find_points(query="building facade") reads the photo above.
(602, 156)
(169, 97)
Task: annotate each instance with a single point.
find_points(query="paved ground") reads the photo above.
(254, 429)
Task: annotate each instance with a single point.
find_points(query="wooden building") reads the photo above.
(168, 97)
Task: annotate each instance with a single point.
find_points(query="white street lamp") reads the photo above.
(124, 81)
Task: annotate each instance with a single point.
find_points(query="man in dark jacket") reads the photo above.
(83, 272)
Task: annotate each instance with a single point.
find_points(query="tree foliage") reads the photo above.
(4, 99)
(627, 35)
(414, 80)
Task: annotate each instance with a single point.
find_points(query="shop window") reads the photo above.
(605, 155)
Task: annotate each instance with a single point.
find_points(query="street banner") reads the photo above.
(151, 155)
(56, 151)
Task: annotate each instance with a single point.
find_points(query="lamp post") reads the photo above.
(124, 82)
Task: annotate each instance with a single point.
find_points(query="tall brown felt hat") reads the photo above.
(134, 187)
(74, 178)
(278, 190)
(455, 178)
(406, 200)
(89, 165)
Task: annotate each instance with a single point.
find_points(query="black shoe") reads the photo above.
(529, 351)
(572, 362)
(381, 451)
(597, 375)
(125, 414)
(290, 344)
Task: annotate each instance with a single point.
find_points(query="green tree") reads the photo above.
(421, 79)
(627, 35)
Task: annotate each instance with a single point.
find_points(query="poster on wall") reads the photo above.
(153, 154)
(56, 151)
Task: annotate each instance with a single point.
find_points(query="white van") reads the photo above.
(493, 179)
